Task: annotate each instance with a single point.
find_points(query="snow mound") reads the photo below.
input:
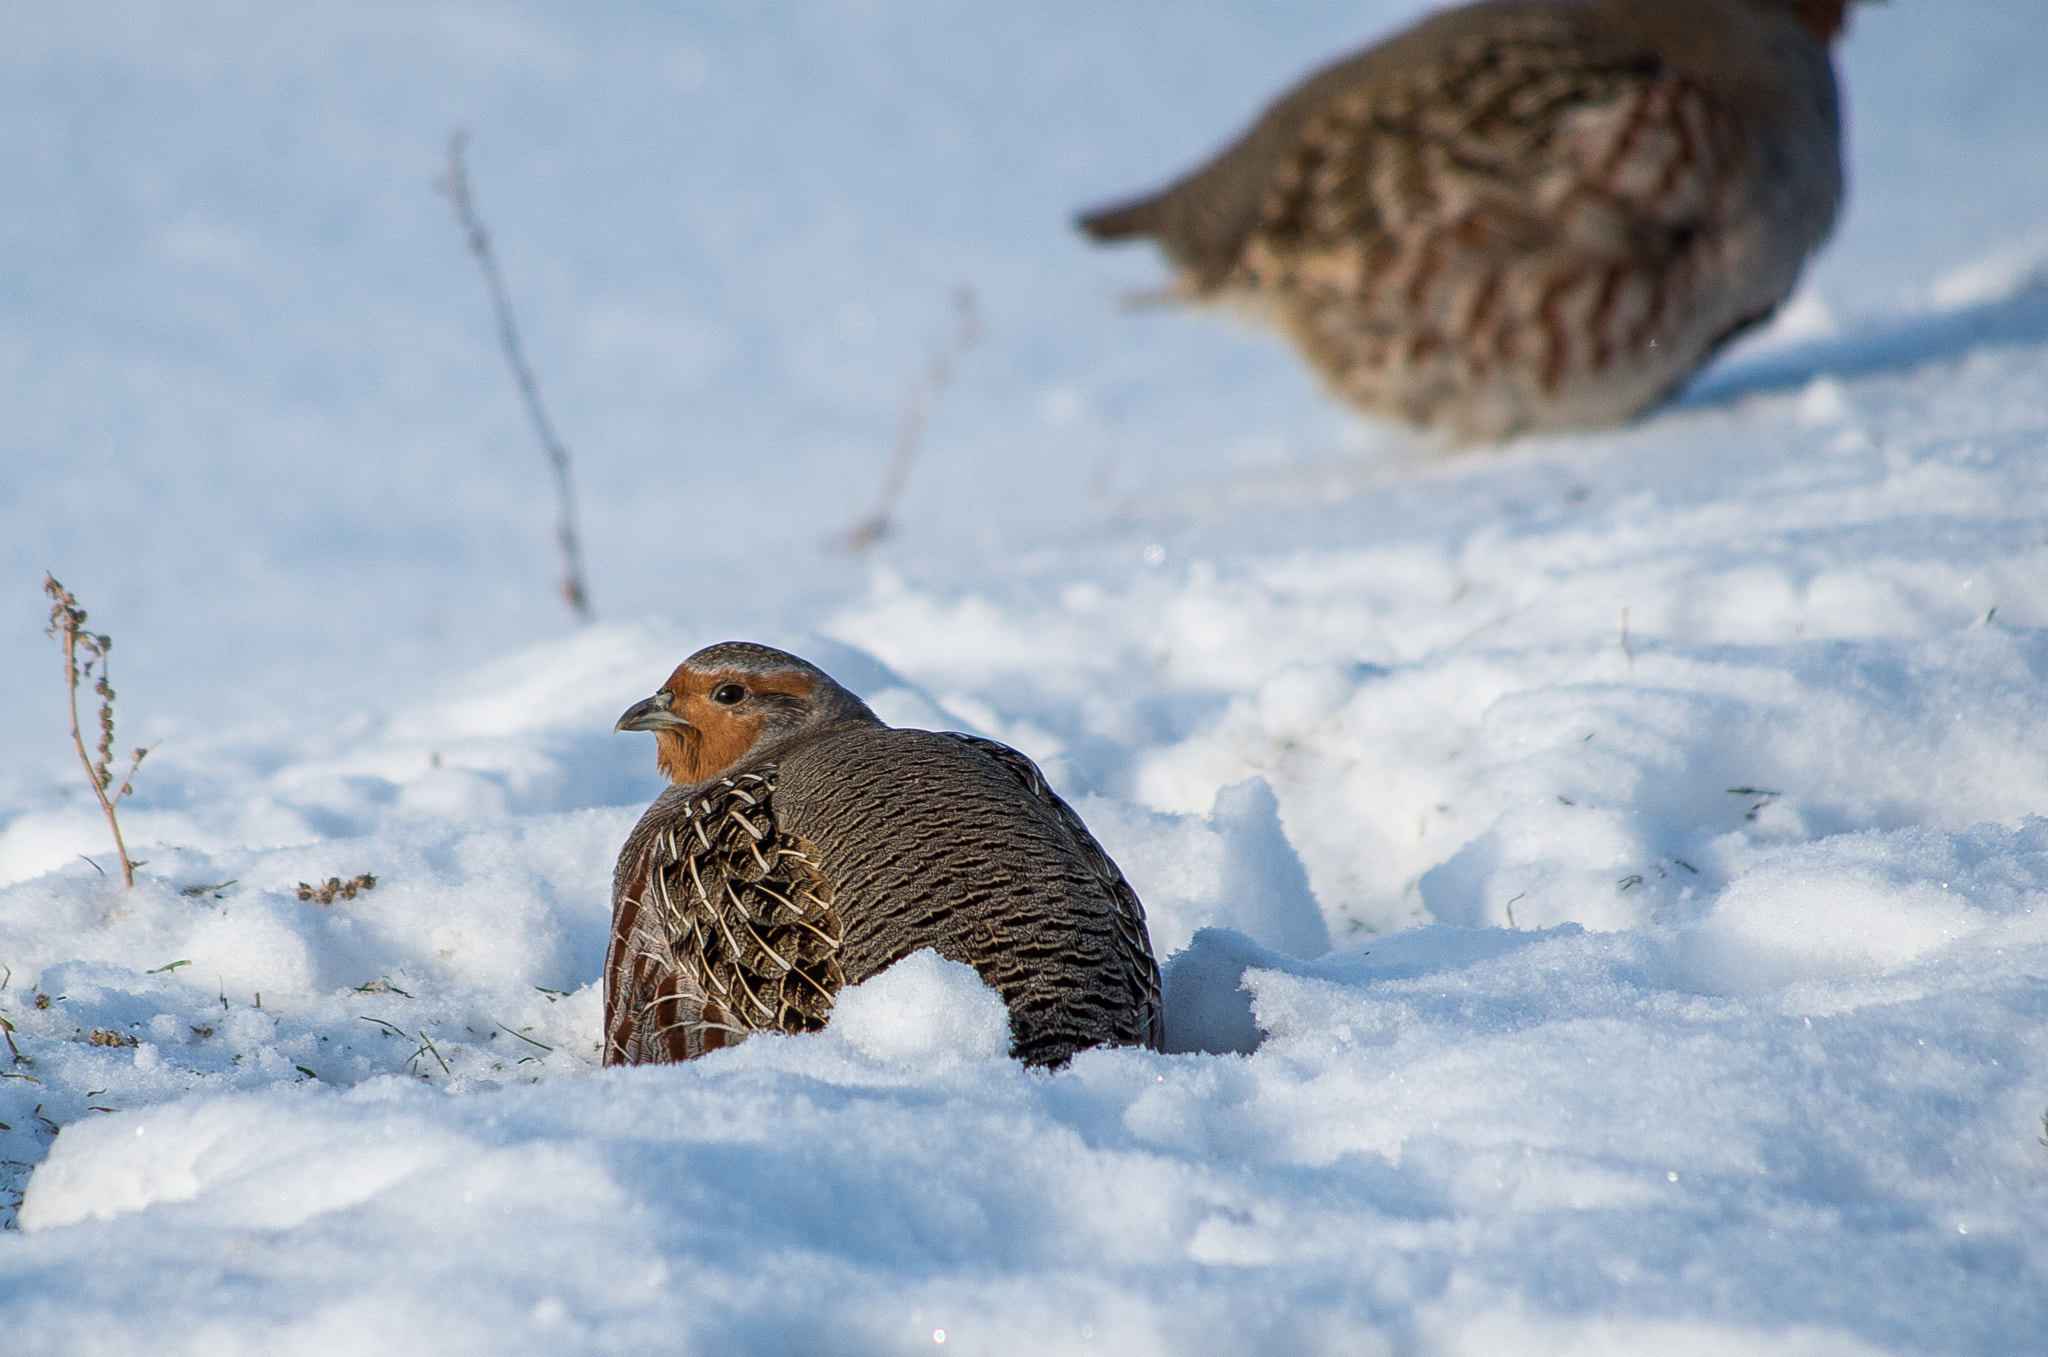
(251, 1162)
(925, 1011)
(1232, 868)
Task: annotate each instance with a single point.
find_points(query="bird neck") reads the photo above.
(695, 762)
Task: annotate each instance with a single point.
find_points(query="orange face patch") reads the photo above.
(719, 736)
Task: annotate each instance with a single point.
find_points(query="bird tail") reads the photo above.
(1143, 217)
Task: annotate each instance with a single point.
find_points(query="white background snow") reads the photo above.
(1558, 1044)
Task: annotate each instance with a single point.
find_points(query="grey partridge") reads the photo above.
(1523, 214)
(805, 846)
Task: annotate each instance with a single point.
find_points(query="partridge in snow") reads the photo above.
(805, 846)
(1524, 214)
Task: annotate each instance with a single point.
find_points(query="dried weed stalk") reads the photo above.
(454, 182)
(917, 405)
(85, 659)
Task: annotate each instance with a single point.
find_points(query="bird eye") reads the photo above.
(729, 695)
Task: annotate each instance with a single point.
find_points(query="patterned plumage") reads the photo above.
(806, 846)
(1523, 214)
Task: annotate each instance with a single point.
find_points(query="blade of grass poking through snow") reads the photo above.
(67, 625)
(917, 404)
(454, 181)
(427, 1047)
(523, 1037)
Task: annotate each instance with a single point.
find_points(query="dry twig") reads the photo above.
(85, 659)
(454, 182)
(917, 404)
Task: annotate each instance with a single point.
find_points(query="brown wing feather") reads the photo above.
(1514, 216)
(722, 924)
(1533, 212)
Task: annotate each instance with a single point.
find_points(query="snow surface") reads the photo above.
(1601, 882)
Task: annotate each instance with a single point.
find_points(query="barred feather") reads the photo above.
(832, 846)
(732, 914)
(1524, 214)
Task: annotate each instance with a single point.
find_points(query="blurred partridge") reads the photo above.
(1524, 214)
(805, 846)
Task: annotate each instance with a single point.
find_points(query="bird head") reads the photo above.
(735, 702)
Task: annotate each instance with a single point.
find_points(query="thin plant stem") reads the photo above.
(454, 181)
(67, 621)
(917, 404)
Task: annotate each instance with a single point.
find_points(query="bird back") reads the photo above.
(746, 903)
(948, 842)
(1524, 214)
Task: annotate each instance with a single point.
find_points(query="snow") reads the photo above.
(925, 1012)
(1601, 884)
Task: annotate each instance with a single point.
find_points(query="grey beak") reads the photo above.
(653, 714)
